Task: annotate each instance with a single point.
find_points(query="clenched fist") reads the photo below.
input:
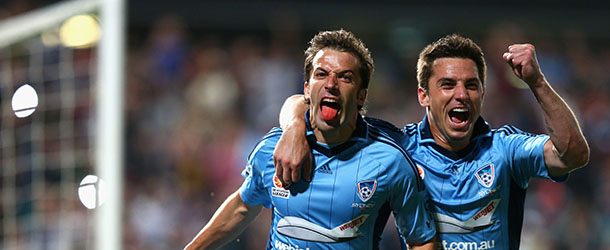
(523, 61)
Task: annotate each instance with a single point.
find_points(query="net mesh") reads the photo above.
(44, 156)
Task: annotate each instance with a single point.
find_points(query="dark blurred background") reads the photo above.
(205, 80)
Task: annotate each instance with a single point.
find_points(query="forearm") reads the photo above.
(568, 140)
(428, 245)
(292, 150)
(228, 222)
(293, 111)
(568, 148)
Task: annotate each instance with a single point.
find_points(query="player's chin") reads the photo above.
(327, 125)
(458, 136)
(459, 131)
(332, 123)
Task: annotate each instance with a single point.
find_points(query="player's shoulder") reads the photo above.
(387, 150)
(266, 145)
(391, 154)
(385, 126)
(274, 133)
(384, 143)
(410, 129)
(507, 131)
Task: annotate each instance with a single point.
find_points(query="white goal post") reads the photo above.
(106, 148)
(110, 126)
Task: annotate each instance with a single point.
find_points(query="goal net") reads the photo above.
(52, 157)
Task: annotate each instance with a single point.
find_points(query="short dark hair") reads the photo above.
(344, 41)
(451, 46)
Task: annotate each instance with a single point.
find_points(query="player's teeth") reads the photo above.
(328, 100)
(460, 110)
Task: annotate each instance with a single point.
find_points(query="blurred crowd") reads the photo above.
(197, 104)
(197, 101)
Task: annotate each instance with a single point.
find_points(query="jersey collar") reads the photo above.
(481, 130)
(329, 150)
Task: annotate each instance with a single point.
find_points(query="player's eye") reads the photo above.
(320, 74)
(447, 84)
(347, 77)
(474, 85)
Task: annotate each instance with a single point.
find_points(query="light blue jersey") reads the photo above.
(354, 187)
(476, 194)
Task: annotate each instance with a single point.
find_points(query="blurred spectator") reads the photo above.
(198, 98)
(211, 127)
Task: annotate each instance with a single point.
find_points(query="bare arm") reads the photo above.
(228, 222)
(567, 149)
(292, 150)
(428, 245)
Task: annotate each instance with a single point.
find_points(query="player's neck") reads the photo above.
(452, 146)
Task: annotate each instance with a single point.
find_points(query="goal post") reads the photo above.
(69, 126)
(110, 125)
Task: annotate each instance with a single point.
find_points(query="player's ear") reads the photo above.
(423, 97)
(306, 90)
(362, 97)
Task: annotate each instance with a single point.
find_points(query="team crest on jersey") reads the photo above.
(485, 175)
(366, 189)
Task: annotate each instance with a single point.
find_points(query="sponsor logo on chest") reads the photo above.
(285, 246)
(324, 170)
(466, 245)
(278, 189)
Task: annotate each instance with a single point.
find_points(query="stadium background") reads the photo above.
(205, 81)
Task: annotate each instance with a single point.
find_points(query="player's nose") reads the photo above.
(332, 81)
(460, 92)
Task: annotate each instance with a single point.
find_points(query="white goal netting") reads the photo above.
(49, 128)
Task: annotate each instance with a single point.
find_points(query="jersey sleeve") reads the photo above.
(252, 190)
(412, 218)
(386, 127)
(525, 152)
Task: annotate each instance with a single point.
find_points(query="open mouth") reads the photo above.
(329, 108)
(459, 115)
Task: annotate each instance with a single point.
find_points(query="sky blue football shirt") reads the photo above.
(354, 188)
(476, 194)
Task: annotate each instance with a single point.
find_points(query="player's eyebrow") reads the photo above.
(446, 79)
(322, 69)
(338, 73)
(346, 71)
(449, 79)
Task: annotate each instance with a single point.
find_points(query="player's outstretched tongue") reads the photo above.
(329, 111)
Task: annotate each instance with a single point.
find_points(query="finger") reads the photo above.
(296, 174)
(517, 72)
(279, 170)
(515, 47)
(307, 168)
(516, 67)
(287, 178)
(507, 56)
